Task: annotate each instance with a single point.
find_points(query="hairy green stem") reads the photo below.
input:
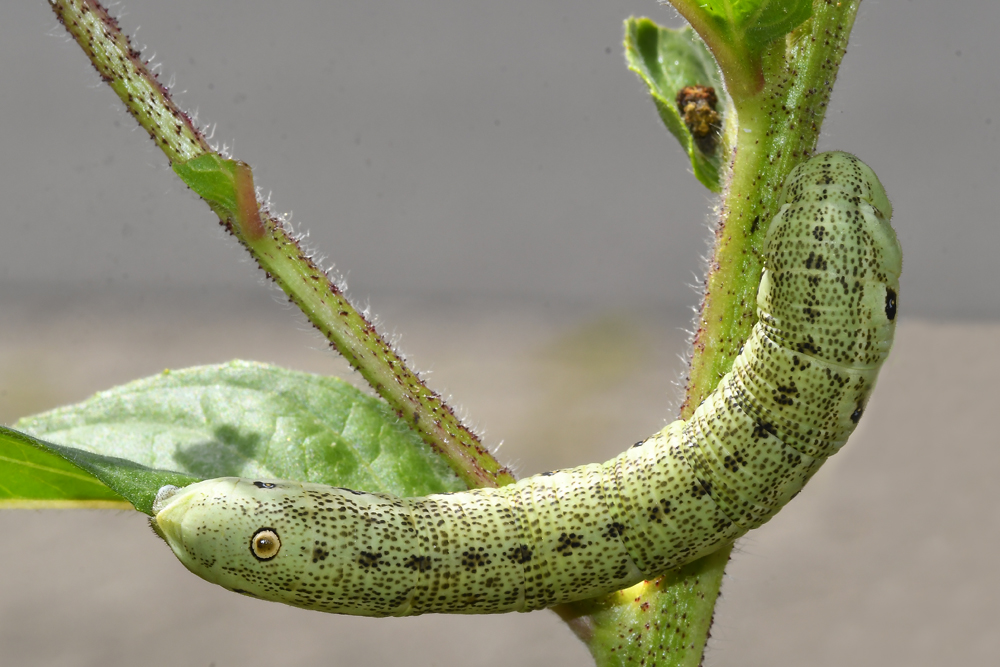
(123, 68)
(278, 252)
(777, 129)
(667, 621)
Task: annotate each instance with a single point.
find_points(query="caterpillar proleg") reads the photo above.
(826, 318)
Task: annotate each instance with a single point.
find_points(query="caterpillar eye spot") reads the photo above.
(263, 485)
(856, 415)
(890, 304)
(265, 544)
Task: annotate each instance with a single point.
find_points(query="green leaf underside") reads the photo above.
(40, 474)
(668, 60)
(250, 420)
(758, 22)
(29, 473)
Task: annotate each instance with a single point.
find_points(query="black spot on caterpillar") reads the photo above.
(826, 319)
(890, 304)
(265, 544)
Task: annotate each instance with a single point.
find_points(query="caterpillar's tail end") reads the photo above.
(872, 190)
(832, 167)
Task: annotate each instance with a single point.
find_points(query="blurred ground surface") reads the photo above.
(886, 558)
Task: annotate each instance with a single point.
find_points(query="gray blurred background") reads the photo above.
(492, 180)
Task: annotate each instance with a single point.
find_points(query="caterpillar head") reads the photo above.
(293, 542)
(225, 530)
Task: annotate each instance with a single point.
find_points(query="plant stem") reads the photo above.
(777, 129)
(277, 251)
(122, 68)
(667, 621)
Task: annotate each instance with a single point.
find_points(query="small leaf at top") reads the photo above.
(675, 63)
(738, 32)
(758, 22)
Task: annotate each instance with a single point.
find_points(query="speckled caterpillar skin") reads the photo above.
(826, 308)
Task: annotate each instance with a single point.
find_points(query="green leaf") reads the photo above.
(760, 22)
(244, 419)
(30, 476)
(40, 474)
(667, 61)
(227, 186)
(739, 32)
(213, 179)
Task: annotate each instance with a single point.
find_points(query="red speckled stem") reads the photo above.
(277, 251)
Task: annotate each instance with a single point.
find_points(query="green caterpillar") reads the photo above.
(826, 309)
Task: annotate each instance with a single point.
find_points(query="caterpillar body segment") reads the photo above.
(826, 309)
